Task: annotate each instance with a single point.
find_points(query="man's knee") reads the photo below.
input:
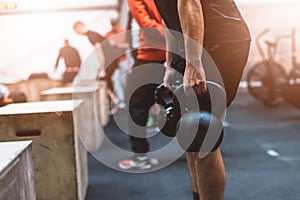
(211, 145)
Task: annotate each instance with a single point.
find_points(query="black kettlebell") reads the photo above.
(199, 131)
(177, 108)
(170, 112)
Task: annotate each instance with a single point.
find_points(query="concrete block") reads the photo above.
(60, 159)
(16, 171)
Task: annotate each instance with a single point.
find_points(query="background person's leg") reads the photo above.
(140, 98)
(108, 78)
(140, 101)
(139, 105)
(119, 79)
(123, 67)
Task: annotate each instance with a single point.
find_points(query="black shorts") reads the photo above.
(69, 77)
(230, 59)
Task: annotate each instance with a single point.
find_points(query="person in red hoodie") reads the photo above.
(151, 56)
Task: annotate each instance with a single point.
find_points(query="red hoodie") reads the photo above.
(152, 41)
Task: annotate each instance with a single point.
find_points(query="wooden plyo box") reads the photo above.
(66, 93)
(92, 118)
(32, 87)
(90, 131)
(35, 86)
(16, 171)
(93, 93)
(102, 103)
(60, 159)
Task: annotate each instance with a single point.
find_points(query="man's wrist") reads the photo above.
(168, 67)
(194, 63)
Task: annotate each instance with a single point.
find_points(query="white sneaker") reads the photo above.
(138, 162)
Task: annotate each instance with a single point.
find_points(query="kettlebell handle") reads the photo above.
(173, 109)
(159, 91)
(163, 95)
(217, 95)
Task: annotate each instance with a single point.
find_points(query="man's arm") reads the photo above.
(192, 22)
(170, 47)
(57, 59)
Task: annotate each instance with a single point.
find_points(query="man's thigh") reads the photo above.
(231, 59)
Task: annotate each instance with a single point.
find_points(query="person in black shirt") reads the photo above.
(72, 61)
(218, 26)
(105, 50)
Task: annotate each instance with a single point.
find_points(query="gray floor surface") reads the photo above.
(261, 150)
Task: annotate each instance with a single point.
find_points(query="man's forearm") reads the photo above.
(171, 45)
(192, 22)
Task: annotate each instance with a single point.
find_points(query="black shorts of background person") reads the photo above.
(70, 74)
(141, 98)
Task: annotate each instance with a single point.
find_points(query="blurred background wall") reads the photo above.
(30, 42)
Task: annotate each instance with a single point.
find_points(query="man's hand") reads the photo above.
(169, 74)
(194, 78)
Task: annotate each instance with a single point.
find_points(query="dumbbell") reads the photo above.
(190, 111)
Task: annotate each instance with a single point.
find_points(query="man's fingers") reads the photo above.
(195, 86)
(200, 89)
(169, 74)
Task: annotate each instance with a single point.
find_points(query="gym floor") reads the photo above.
(261, 151)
